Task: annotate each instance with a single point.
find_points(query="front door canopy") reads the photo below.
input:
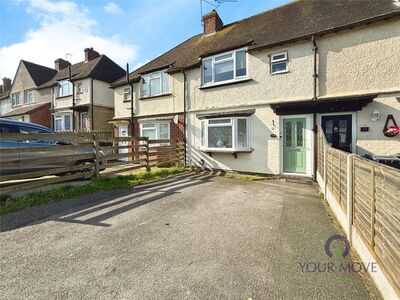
(326, 105)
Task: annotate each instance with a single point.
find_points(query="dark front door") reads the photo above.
(337, 130)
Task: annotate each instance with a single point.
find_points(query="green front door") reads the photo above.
(294, 145)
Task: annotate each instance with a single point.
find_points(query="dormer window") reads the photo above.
(154, 84)
(225, 67)
(64, 88)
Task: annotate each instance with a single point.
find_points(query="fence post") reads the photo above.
(177, 153)
(148, 168)
(97, 156)
(373, 207)
(325, 172)
(349, 197)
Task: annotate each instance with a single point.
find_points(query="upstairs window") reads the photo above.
(223, 67)
(79, 88)
(279, 63)
(127, 94)
(64, 88)
(155, 84)
(16, 99)
(29, 97)
(226, 134)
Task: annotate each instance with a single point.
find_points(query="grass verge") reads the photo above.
(10, 204)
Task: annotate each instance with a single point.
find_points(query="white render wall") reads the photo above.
(264, 158)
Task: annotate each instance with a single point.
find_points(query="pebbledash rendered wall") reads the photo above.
(358, 61)
(263, 88)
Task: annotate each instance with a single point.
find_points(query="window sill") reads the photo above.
(231, 151)
(156, 96)
(281, 72)
(61, 97)
(126, 101)
(209, 86)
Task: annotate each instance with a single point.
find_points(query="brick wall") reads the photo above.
(41, 116)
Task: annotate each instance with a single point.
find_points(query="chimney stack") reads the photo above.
(6, 84)
(90, 54)
(212, 22)
(60, 64)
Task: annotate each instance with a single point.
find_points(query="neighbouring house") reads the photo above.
(249, 94)
(5, 99)
(81, 96)
(28, 103)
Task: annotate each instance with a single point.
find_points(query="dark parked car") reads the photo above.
(14, 126)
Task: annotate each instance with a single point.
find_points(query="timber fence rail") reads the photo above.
(365, 197)
(43, 159)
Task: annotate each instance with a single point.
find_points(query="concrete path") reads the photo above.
(194, 236)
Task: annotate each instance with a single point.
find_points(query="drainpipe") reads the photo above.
(184, 111)
(73, 98)
(91, 104)
(131, 89)
(315, 77)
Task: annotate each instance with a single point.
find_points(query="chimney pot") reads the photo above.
(212, 22)
(90, 54)
(60, 64)
(6, 84)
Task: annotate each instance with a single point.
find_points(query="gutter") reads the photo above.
(91, 103)
(315, 98)
(184, 113)
(73, 98)
(131, 90)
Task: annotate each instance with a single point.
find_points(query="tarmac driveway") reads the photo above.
(194, 236)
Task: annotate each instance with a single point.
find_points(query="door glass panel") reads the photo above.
(299, 129)
(288, 134)
(329, 131)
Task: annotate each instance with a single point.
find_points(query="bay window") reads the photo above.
(154, 84)
(29, 97)
(223, 67)
(16, 99)
(64, 88)
(230, 134)
(63, 122)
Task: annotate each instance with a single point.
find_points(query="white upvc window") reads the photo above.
(154, 84)
(127, 94)
(231, 134)
(63, 122)
(155, 131)
(64, 88)
(225, 67)
(29, 97)
(279, 62)
(16, 99)
(79, 87)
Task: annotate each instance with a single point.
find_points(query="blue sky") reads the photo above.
(133, 31)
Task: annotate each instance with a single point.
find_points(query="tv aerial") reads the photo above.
(213, 3)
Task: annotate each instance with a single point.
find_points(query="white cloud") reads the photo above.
(112, 8)
(64, 27)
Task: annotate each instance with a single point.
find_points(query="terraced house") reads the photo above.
(249, 94)
(81, 99)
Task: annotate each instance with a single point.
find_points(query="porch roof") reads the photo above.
(326, 105)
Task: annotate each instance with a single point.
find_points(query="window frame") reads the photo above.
(62, 118)
(274, 61)
(156, 127)
(214, 62)
(13, 103)
(63, 83)
(126, 91)
(234, 124)
(32, 92)
(153, 76)
(79, 87)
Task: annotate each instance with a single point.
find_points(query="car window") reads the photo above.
(8, 128)
(28, 129)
